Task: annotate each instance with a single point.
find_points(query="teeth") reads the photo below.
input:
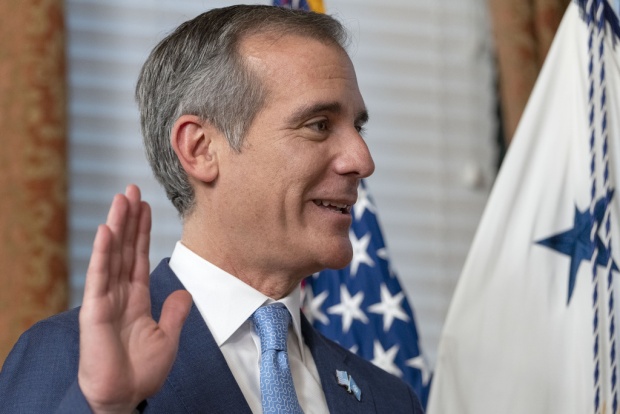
(325, 203)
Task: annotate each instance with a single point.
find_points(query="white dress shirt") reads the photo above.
(226, 303)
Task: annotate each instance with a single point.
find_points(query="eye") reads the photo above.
(319, 126)
(360, 129)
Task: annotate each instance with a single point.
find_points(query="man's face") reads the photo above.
(290, 189)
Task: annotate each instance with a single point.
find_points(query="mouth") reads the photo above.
(334, 206)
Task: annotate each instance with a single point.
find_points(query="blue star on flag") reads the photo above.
(576, 241)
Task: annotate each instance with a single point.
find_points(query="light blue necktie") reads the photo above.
(276, 382)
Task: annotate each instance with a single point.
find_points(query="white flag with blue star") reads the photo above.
(531, 328)
(363, 307)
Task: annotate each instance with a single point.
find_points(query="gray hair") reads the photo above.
(197, 70)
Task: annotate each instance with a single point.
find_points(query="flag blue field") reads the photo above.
(363, 307)
(531, 328)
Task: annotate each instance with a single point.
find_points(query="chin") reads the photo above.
(339, 257)
(326, 253)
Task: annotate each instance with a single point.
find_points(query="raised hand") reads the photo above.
(125, 355)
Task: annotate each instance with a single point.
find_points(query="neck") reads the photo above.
(271, 281)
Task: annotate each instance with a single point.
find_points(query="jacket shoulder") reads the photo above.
(41, 366)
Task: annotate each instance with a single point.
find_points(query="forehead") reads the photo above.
(297, 67)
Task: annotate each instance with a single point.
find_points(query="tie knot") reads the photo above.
(271, 323)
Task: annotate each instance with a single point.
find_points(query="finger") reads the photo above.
(117, 217)
(174, 313)
(132, 193)
(141, 268)
(97, 275)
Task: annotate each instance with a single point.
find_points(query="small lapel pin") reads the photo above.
(347, 381)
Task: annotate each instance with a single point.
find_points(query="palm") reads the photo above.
(125, 355)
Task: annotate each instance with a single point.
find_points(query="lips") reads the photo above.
(334, 206)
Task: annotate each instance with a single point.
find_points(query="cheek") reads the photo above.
(283, 179)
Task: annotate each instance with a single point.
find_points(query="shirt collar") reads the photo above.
(223, 300)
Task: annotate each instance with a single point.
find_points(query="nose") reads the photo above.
(354, 157)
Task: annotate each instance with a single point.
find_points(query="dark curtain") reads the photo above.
(523, 31)
(33, 177)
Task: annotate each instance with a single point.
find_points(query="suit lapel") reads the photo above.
(200, 375)
(329, 358)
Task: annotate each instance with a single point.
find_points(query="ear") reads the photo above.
(193, 141)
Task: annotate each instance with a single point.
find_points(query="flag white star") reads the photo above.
(382, 253)
(385, 359)
(420, 363)
(360, 252)
(389, 307)
(313, 306)
(354, 349)
(363, 203)
(349, 308)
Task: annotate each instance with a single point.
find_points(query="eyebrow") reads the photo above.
(308, 111)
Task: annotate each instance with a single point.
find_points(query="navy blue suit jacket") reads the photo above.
(40, 373)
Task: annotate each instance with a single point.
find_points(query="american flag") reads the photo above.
(364, 309)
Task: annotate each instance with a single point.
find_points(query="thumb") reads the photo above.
(174, 312)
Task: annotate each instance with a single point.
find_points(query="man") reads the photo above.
(251, 117)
